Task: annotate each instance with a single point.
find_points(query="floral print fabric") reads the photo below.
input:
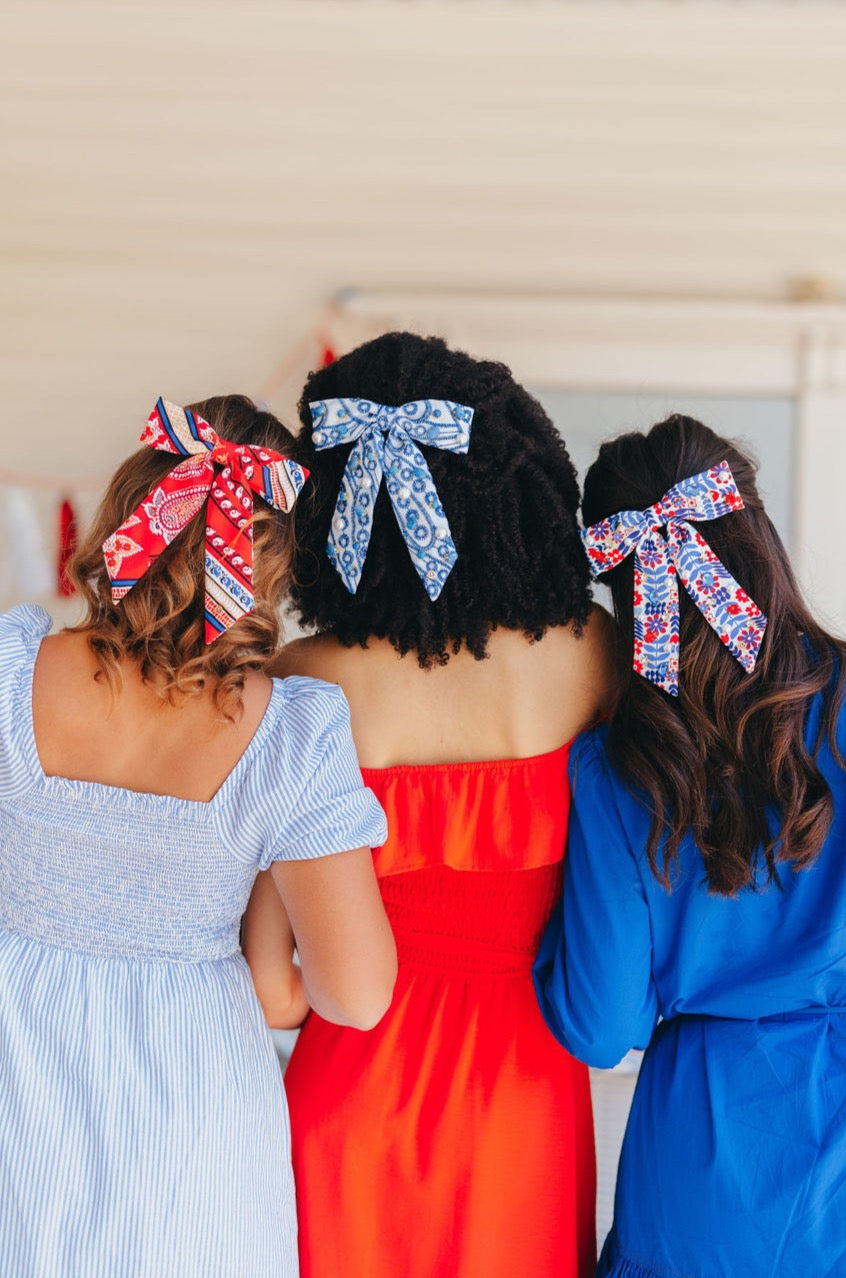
(680, 553)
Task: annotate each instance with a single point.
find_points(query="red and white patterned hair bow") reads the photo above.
(222, 476)
(681, 553)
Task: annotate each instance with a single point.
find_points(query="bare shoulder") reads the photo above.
(66, 645)
(599, 634)
(591, 645)
(315, 657)
(584, 661)
(599, 640)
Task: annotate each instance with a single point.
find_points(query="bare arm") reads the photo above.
(268, 943)
(329, 906)
(342, 935)
(343, 939)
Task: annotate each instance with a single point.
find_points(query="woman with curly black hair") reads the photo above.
(440, 565)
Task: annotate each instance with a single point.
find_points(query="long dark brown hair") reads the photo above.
(159, 624)
(728, 759)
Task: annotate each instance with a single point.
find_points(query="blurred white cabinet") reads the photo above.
(773, 373)
(765, 427)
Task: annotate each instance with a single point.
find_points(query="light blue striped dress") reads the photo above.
(143, 1125)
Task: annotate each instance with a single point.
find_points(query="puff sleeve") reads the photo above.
(21, 632)
(593, 973)
(321, 804)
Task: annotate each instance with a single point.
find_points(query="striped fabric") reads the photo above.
(143, 1125)
(222, 476)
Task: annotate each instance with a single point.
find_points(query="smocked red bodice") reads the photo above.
(472, 866)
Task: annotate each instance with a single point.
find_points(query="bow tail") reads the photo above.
(724, 604)
(229, 554)
(352, 520)
(419, 513)
(281, 483)
(177, 430)
(155, 522)
(276, 479)
(656, 614)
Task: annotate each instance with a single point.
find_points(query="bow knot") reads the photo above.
(383, 437)
(228, 495)
(223, 454)
(678, 553)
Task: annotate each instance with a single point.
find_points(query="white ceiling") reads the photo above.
(186, 183)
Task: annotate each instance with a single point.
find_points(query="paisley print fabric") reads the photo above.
(384, 446)
(680, 553)
(223, 477)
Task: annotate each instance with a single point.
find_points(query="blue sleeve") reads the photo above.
(325, 806)
(593, 973)
(21, 632)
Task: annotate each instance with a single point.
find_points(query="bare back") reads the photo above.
(524, 699)
(134, 740)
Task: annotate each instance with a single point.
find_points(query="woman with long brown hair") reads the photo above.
(704, 904)
(149, 768)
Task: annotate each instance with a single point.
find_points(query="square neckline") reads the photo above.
(103, 790)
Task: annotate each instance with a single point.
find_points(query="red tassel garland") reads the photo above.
(68, 536)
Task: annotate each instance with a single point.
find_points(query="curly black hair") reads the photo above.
(511, 502)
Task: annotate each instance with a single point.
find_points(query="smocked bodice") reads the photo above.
(114, 872)
(471, 922)
(80, 871)
(473, 863)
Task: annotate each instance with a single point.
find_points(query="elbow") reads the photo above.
(283, 1003)
(367, 1017)
(596, 1051)
(284, 1016)
(597, 1046)
(369, 1012)
(361, 1006)
(591, 1040)
(604, 1045)
(361, 1013)
(601, 1055)
(596, 1024)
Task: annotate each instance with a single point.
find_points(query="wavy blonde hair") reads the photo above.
(159, 624)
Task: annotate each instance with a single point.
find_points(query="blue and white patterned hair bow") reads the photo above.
(683, 553)
(384, 446)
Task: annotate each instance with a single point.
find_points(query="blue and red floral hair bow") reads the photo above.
(222, 476)
(681, 553)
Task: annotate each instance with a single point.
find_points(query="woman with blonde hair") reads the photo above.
(149, 768)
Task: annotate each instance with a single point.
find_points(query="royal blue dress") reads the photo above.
(734, 1159)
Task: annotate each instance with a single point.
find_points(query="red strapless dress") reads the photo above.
(456, 1139)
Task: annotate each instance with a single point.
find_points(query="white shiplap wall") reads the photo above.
(185, 183)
